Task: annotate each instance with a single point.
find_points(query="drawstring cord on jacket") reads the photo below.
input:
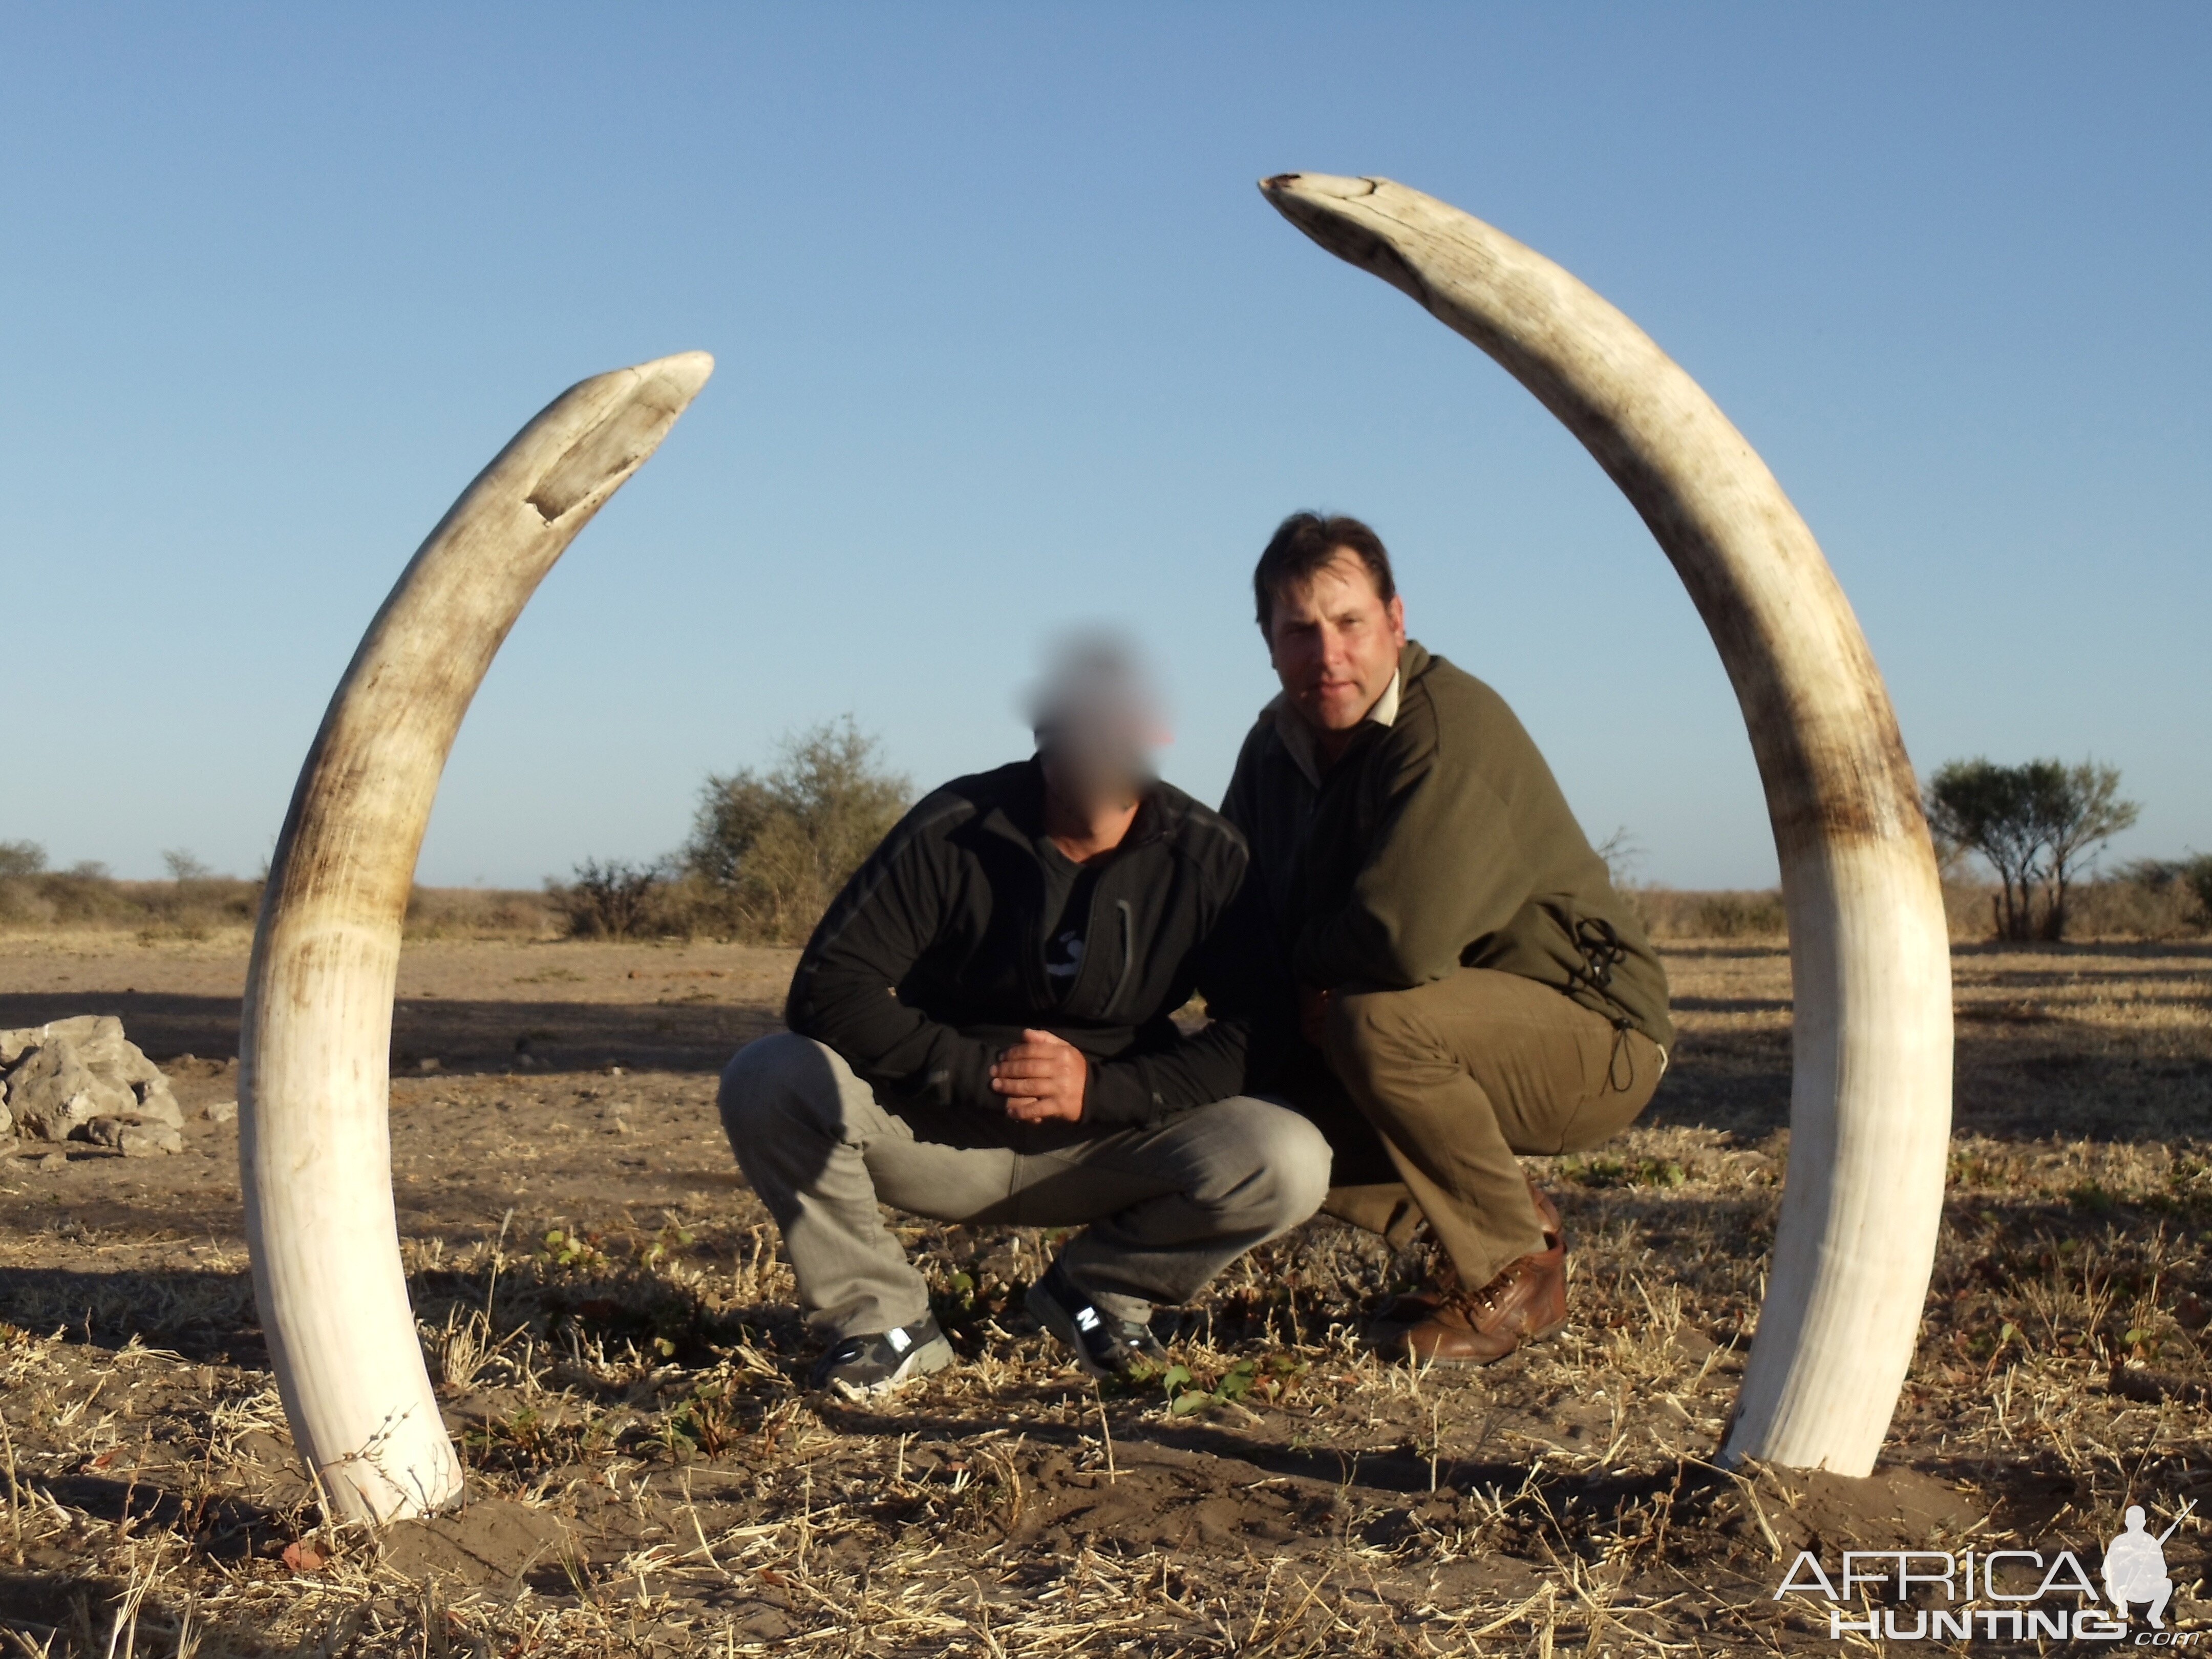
(1601, 951)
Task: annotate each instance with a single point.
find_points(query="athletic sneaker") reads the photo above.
(876, 1363)
(1107, 1347)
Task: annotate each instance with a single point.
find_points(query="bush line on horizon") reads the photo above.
(770, 849)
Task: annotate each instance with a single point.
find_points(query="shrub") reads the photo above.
(686, 905)
(770, 850)
(1741, 915)
(2197, 871)
(184, 867)
(612, 900)
(1667, 914)
(2186, 882)
(86, 896)
(484, 913)
(2149, 898)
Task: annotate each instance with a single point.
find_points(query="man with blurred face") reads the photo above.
(981, 1032)
(1470, 988)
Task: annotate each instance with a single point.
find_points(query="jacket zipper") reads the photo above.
(1128, 956)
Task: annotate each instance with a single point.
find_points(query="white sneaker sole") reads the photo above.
(935, 1355)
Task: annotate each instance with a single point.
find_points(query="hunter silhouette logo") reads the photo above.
(2135, 1569)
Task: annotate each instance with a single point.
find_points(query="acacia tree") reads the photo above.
(2080, 809)
(1989, 808)
(184, 866)
(2035, 825)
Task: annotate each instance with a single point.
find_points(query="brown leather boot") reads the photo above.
(1555, 1230)
(1441, 1282)
(1412, 1307)
(1527, 1301)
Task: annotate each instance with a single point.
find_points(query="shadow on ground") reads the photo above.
(206, 1318)
(461, 1035)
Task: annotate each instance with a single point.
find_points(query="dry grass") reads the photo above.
(2124, 906)
(650, 1478)
(61, 904)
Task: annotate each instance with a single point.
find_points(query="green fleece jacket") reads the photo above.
(1440, 840)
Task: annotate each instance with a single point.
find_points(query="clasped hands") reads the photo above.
(1042, 1078)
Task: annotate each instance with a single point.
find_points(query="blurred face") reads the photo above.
(1096, 722)
(1096, 764)
(1336, 644)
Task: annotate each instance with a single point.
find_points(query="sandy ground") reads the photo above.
(574, 1082)
(649, 1471)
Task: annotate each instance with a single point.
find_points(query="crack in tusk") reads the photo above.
(600, 462)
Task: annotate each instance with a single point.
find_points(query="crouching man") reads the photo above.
(980, 1033)
(1471, 986)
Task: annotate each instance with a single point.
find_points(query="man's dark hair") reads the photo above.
(1306, 542)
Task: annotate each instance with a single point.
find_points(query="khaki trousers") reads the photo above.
(1457, 1079)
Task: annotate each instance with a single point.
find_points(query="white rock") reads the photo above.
(157, 1104)
(52, 1091)
(222, 1111)
(133, 1139)
(149, 1140)
(62, 1075)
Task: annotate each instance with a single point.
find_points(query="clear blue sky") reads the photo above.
(1008, 340)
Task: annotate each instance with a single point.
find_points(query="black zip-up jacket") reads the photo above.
(932, 961)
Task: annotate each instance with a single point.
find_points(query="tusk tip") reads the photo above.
(687, 371)
(1326, 186)
(1317, 203)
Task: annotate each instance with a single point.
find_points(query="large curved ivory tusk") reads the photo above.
(315, 1140)
(1870, 1107)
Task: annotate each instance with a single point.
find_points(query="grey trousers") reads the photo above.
(1163, 1209)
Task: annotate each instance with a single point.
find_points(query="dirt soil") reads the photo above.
(649, 1475)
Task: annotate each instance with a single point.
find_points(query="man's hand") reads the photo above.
(1042, 1077)
(1313, 1013)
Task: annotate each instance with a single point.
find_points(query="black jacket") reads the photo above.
(932, 961)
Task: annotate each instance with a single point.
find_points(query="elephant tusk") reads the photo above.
(314, 1134)
(1870, 1100)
